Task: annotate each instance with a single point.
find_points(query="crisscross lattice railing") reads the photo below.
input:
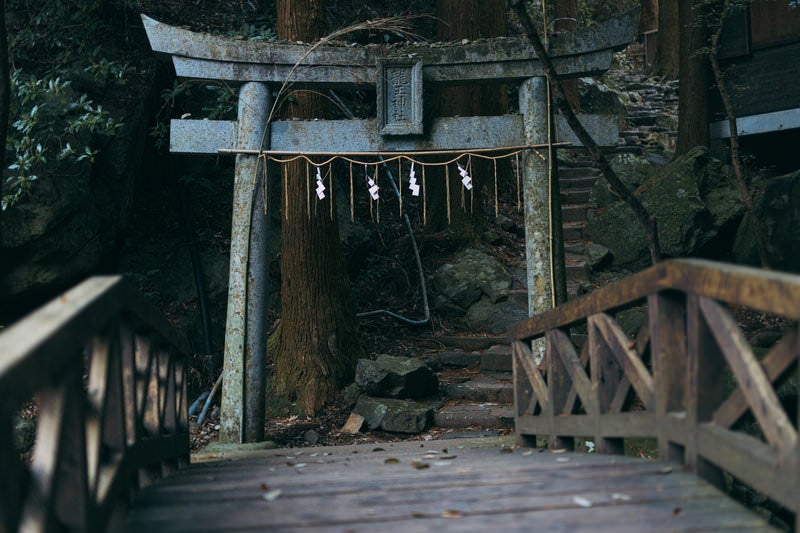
(688, 377)
(108, 379)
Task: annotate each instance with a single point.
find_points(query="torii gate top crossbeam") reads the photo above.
(197, 55)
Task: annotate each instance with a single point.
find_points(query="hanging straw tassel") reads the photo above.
(265, 176)
(519, 189)
(400, 181)
(333, 189)
(285, 191)
(447, 188)
(496, 207)
(352, 206)
(424, 198)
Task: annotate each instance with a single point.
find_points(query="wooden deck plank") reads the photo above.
(475, 489)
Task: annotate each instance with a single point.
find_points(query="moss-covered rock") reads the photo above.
(778, 210)
(691, 199)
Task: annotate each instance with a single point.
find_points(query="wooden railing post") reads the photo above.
(559, 385)
(606, 376)
(667, 322)
(706, 387)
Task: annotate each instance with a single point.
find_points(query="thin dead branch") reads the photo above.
(647, 221)
(740, 173)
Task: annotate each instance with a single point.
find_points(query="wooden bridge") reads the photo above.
(112, 447)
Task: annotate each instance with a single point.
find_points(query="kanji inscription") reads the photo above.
(400, 97)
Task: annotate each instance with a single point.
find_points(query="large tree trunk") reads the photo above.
(667, 60)
(317, 343)
(694, 78)
(466, 19)
(649, 20)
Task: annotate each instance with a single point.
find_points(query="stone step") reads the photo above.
(493, 388)
(573, 231)
(452, 359)
(584, 182)
(576, 196)
(497, 359)
(468, 414)
(577, 270)
(577, 172)
(574, 212)
(469, 343)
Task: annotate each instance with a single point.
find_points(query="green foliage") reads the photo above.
(205, 99)
(52, 42)
(51, 124)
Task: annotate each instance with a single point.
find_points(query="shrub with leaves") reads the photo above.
(52, 124)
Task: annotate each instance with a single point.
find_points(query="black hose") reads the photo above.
(199, 283)
(423, 287)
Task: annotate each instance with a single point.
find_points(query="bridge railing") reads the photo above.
(688, 378)
(108, 378)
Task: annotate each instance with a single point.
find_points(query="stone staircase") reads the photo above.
(576, 181)
(476, 386)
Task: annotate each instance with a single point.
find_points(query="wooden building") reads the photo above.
(760, 53)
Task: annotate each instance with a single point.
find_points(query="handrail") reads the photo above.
(768, 291)
(687, 378)
(109, 379)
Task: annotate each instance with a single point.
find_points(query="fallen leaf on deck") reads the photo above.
(622, 497)
(391, 461)
(665, 470)
(271, 495)
(452, 513)
(264, 486)
(419, 465)
(583, 502)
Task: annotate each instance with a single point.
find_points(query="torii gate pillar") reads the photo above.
(533, 106)
(243, 393)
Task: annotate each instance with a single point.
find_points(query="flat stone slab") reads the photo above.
(398, 416)
(452, 359)
(396, 377)
(496, 388)
(470, 344)
(497, 359)
(486, 415)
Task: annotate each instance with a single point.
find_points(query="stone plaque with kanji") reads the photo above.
(400, 96)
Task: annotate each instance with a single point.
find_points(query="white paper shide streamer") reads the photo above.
(320, 185)
(465, 179)
(413, 186)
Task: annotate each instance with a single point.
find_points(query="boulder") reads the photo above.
(397, 416)
(495, 317)
(390, 376)
(778, 210)
(599, 99)
(473, 274)
(692, 200)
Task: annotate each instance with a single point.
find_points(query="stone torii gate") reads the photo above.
(398, 73)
